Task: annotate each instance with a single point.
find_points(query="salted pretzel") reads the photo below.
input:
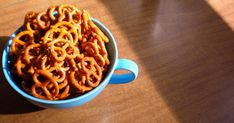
(19, 65)
(43, 20)
(59, 53)
(102, 49)
(65, 87)
(20, 41)
(51, 12)
(42, 84)
(77, 81)
(97, 30)
(30, 22)
(45, 63)
(56, 33)
(59, 73)
(88, 24)
(31, 52)
(70, 28)
(98, 52)
(69, 13)
(92, 71)
(67, 7)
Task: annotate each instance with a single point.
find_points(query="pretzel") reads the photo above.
(102, 49)
(72, 12)
(43, 20)
(18, 43)
(88, 23)
(98, 52)
(43, 85)
(77, 83)
(68, 27)
(97, 30)
(19, 65)
(32, 27)
(101, 45)
(85, 18)
(66, 7)
(92, 70)
(51, 12)
(90, 48)
(71, 17)
(72, 51)
(59, 53)
(66, 88)
(31, 22)
(59, 73)
(45, 63)
(30, 16)
(30, 52)
(55, 33)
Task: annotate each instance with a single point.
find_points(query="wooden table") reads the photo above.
(185, 53)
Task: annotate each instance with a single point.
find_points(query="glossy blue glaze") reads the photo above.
(115, 64)
(125, 64)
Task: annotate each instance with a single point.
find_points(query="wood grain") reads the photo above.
(185, 53)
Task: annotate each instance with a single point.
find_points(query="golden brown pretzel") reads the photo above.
(30, 22)
(32, 27)
(92, 71)
(58, 49)
(66, 88)
(51, 12)
(85, 18)
(98, 31)
(30, 17)
(68, 27)
(43, 85)
(58, 53)
(102, 49)
(72, 51)
(43, 20)
(66, 7)
(100, 60)
(56, 33)
(20, 41)
(59, 73)
(70, 14)
(31, 52)
(76, 81)
(101, 44)
(90, 47)
(19, 65)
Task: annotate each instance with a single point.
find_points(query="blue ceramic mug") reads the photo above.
(110, 77)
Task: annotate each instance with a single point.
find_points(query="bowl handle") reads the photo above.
(125, 64)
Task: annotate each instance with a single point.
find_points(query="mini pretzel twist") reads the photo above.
(43, 20)
(20, 41)
(56, 33)
(45, 92)
(70, 28)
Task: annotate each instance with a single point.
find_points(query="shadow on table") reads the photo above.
(187, 49)
(10, 101)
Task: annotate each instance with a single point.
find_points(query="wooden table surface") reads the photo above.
(184, 50)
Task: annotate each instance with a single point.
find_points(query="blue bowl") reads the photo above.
(79, 100)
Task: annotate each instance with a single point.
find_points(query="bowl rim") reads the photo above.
(104, 82)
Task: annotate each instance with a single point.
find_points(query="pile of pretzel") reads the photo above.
(59, 53)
